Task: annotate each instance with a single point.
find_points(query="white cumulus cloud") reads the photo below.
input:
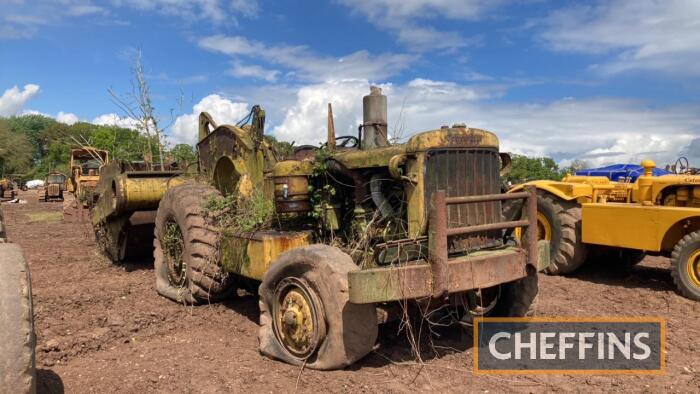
(116, 120)
(13, 100)
(224, 111)
(600, 130)
(67, 118)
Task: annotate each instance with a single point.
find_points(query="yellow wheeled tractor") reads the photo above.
(593, 215)
(85, 164)
(335, 239)
(127, 196)
(54, 186)
(8, 188)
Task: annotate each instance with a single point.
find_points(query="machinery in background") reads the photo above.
(127, 196)
(54, 187)
(623, 221)
(85, 164)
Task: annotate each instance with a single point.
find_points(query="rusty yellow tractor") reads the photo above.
(54, 187)
(8, 188)
(337, 239)
(85, 164)
(584, 215)
(126, 198)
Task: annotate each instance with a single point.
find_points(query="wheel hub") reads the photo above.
(544, 229)
(297, 322)
(693, 267)
(173, 246)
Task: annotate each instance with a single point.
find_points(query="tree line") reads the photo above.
(526, 168)
(34, 145)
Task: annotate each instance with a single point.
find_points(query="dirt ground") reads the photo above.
(103, 328)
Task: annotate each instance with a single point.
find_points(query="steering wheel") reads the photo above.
(682, 165)
(347, 141)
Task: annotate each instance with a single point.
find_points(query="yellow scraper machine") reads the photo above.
(594, 216)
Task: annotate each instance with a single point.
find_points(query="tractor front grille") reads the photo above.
(54, 190)
(466, 172)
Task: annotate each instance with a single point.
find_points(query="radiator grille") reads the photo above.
(466, 172)
(54, 190)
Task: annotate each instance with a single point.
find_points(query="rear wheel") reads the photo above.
(186, 258)
(305, 314)
(685, 262)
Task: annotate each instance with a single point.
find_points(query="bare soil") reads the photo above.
(103, 328)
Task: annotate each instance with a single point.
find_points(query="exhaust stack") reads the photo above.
(374, 122)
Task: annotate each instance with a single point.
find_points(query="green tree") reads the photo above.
(183, 154)
(575, 166)
(531, 168)
(15, 150)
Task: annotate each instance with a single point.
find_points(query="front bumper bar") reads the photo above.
(441, 276)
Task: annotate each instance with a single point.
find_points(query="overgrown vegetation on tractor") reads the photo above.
(340, 238)
(593, 216)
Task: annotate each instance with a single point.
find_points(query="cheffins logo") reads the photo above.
(569, 345)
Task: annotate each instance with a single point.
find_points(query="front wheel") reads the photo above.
(306, 317)
(685, 265)
(518, 298)
(186, 258)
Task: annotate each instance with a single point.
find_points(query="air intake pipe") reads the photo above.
(374, 119)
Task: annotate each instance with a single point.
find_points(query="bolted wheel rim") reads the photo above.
(693, 268)
(173, 247)
(298, 318)
(544, 228)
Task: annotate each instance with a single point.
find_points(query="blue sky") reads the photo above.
(612, 81)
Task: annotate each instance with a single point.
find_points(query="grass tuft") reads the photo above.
(45, 216)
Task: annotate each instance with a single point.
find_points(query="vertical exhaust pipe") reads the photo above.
(374, 122)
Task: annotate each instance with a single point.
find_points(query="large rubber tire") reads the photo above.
(567, 251)
(204, 280)
(518, 298)
(685, 265)
(17, 339)
(350, 329)
(3, 236)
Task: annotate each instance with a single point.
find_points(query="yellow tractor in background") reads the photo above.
(8, 188)
(659, 215)
(54, 186)
(85, 164)
(124, 209)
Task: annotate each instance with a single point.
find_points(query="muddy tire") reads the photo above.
(567, 251)
(3, 235)
(17, 339)
(186, 258)
(685, 265)
(338, 332)
(518, 298)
